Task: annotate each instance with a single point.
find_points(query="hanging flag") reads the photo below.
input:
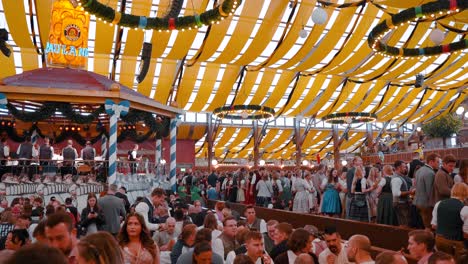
(34, 137)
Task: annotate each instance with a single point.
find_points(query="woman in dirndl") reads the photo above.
(331, 203)
(301, 199)
(385, 211)
(359, 206)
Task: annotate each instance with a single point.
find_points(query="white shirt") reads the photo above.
(230, 257)
(396, 186)
(218, 247)
(291, 256)
(254, 179)
(382, 182)
(340, 259)
(463, 216)
(264, 188)
(34, 151)
(142, 208)
(280, 186)
(6, 151)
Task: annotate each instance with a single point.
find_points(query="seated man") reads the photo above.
(226, 242)
(167, 238)
(421, 245)
(255, 248)
(335, 252)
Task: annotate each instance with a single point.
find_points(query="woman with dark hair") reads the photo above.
(136, 242)
(211, 223)
(331, 203)
(99, 248)
(15, 240)
(92, 217)
(298, 243)
(462, 175)
(202, 253)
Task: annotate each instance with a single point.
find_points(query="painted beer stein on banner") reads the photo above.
(67, 45)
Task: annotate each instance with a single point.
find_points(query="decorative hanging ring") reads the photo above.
(252, 112)
(108, 14)
(350, 118)
(441, 7)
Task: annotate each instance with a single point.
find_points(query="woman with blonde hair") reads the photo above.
(136, 242)
(385, 213)
(448, 219)
(359, 207)
(99, 248)
(373, 181)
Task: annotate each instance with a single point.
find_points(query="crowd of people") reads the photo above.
(177, 228)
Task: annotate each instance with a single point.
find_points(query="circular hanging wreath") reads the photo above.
(441, 7)
(109, 15)
(350, 118)
(253, 112)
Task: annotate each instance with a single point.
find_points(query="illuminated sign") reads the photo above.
(67, 45)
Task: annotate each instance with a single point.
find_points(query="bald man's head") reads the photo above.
(358, 248)
(304, 258)
(360, 242)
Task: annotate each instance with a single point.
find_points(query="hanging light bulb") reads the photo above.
(319, 16)
(244, 114)
(460, 110)
(261, 163)
(437, 36)
(348, 120)
(303, 33)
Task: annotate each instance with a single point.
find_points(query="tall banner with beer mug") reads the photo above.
(67, 45)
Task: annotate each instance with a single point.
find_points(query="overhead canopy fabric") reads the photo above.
(332, 69)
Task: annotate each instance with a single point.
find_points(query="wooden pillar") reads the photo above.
(256, 138)
(370, 138)
(209, 140)
(336, 146)
(297, 134)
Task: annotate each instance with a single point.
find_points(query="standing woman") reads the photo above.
(135, 241)
(373, 180)
(92, 217)
(331, 203)
(313, 191)
(385, 213)
(462, 175)
(359, 207)
(241, 188)
(343, 191)
(301, 199)
(248, 196)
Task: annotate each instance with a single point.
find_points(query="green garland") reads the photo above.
(253, 112)
(408, 15)
(48, 109)
(354, 117)
(109, 15)
(161, 128)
